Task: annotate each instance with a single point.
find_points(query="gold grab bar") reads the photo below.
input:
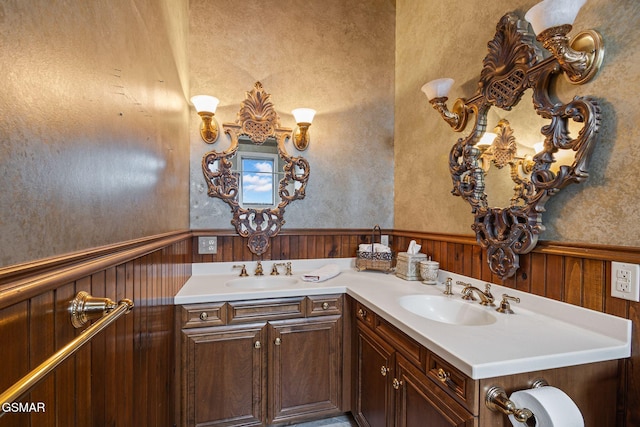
(82, 308)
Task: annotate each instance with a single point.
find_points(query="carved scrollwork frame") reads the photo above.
(513, 65)
(258, 121)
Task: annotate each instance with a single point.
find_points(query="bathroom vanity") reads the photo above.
(263, 350)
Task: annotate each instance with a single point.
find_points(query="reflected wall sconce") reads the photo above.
(301, 136)
(581, 57)
(206, 107)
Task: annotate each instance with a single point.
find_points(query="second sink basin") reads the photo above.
(261, 282)
(447, 310)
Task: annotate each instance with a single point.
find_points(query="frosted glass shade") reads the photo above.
(303, 115)
(438, 88)
(487, 139)
(205, 103)
(553, 13)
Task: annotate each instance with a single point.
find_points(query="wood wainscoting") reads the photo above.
(579, 274)
(124, 375)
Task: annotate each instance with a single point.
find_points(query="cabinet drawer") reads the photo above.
(202, 315)
(365, 315)
(265, 310)
(454, 382)
(324, 305)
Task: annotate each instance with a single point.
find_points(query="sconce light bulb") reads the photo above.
(205, 103)
(438, 88)
(553, 13)
(304, 115)
(206, 107)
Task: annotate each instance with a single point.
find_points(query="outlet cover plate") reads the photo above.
(625, 280)
(207, 245)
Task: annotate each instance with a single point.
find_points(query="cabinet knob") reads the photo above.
(362, 313)
(277, 341)
(325, 305)
(445, 377)
(397, 383)
(257, 344)
(384, 370)
(204, 315)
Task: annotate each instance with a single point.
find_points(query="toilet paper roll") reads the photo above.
(551, 407)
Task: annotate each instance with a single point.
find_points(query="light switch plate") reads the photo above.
(207, 245)
(625, 281)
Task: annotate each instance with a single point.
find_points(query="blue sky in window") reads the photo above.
(257, 181)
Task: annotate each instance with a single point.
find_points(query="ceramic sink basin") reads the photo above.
(449, 310)
(261, 282)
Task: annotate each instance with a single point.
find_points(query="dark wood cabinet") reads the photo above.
(224, 375)
(391, 391)
(375, 361)
(393, 388)
(420, 403)
(269, 362)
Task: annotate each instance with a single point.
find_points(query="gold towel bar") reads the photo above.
(82, 308)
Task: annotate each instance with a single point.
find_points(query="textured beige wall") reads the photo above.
(449, 39)
(334, 56)
(93, 124)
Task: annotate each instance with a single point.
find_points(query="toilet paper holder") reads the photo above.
(497, 400)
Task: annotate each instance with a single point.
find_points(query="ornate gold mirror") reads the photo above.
(245, 175)
(514, 66)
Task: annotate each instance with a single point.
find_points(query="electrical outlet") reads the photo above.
(207, 245)
(625, 281)
(384, 239)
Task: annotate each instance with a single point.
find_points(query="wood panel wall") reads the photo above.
(578, 274)
(124, 375)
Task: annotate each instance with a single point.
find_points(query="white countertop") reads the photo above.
(542, 334)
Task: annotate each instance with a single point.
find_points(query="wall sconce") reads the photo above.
(303, 117)
(581, 57)
(437, 92)
(206, 107)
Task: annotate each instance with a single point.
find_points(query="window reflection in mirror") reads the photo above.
(259, 170)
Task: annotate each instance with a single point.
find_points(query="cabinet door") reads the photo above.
(421, 403)
(305, 376)
(224, 375)
(374, 370)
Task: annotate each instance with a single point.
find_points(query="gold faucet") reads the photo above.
(259, 271)
(274, 268)
(243, 272)
(486, 298)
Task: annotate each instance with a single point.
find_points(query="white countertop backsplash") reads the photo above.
(542, 334)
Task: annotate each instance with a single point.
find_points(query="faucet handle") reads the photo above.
(259, 271)
(243, 272)
(505, 307)
(289, 273)
(447, 286)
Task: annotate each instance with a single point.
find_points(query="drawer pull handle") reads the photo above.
(204, 316)
(443, 375)
(397, 383)
(362, 313)
(384, 370)
(325, 305)
(257, 344)
(277, 341)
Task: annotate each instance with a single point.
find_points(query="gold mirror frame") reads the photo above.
(514, 64)
(258, 121)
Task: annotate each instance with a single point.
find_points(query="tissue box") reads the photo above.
(407, 267)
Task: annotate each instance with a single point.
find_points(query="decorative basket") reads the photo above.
(370, 260)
